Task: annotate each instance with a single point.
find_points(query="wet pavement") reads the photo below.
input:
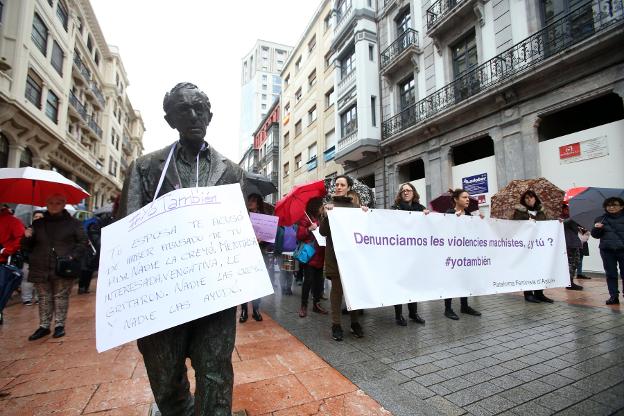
(518, 358)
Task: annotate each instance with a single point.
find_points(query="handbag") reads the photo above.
(66, 266)
(304, 252)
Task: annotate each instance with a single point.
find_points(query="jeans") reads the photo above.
(579, 269)
(28, 289)
(610, 261)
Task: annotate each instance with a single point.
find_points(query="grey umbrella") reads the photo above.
(587, 206)
(259, 184)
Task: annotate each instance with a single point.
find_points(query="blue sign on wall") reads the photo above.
(476, 184)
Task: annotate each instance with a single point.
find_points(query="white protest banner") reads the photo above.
(319, 238)
(390, 257)
(265, 226)
(188, 254)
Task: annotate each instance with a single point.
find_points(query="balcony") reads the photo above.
(98, 95)
(343, 21)
(125, 145)
(79, 68)
(352, 147)
(312, 163)
(347, 81)
(440, 10)
(124, 164)
(329, 154)
(571, 29)
(95, 128)
(77, 107)
(400, 52)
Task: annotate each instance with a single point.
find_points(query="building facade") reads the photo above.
(260, 86)
(63, 103)
(308, 136)
(266, 143)
(470, 94)
(356, 79)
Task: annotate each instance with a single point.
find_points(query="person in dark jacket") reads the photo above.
(91, 259)
(56, 234)
(313, 270)
(573, 245)
(408, 200)
(530, 208)
(609, 228)
(461, 198)
(339, 199)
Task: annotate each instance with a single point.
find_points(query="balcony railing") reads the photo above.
(82, 68)
(98, 93)
(346, 81)
(439, 9)
(78, 106)
(407, 39)
(95, 127)
(342, 19)
(329, 153)
(347, 141)
(576, 26)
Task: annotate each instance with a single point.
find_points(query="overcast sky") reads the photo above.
(162, 43)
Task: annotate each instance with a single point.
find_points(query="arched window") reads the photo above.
(4, 151)
(26, 158)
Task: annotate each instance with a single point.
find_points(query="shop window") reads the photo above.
(473, 150)
(26, 158)
(412, 171)
(4, 151)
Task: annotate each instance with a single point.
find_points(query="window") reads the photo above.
(373, 113)
(311, 115)
(312, 151)
(264, 106)
(276, 89)
(286, 81)
(298, 162)
(96, 58)
(4, 147)
(329, 98)
(264, 78)
(57, 58)
(327, 60)
(286, 108)
(312, 78)
(347, 63)
(89, 43)
(312, 44)
(298, 64)
(403, 22)
(298, 95)
(298, 128)
(264, 87)
(62, 14)
(348, 121)
(286, 138)
(342, 8)
(407, 95)
(371, 52)
(52, 106)
(328, 21)
(276, 80)
(464, 55)
(33, 89)
(40, 34)
(286, 169)
(264, 96)
(1, 10)
(330, 139)
(26, 158)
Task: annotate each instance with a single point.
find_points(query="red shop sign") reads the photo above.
(569, 150)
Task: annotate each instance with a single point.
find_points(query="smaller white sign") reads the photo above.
(587, 149)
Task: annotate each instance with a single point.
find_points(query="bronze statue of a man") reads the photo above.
(208, 341)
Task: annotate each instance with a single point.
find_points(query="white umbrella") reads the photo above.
(34, 186)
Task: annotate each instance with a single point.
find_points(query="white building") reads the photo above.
(260, 86)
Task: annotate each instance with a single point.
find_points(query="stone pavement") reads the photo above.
(274, 373)
(518, 358)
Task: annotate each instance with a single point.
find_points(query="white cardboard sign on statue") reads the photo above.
(391, 257)
(188, 254)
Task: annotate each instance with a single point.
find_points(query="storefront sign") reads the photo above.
(587, 149)
(476, 184)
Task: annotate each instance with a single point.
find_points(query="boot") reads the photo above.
(256, 315)
(574, 286)
(39, 333)
(243, 316)
(316, 307)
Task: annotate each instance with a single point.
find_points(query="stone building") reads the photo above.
(63, 101)
(308, 137)
(266, 142)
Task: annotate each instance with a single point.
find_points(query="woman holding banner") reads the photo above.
(313, 270)
(339, 199)
(255, 203)
(461, 199)
(530, 208)
(408, 200)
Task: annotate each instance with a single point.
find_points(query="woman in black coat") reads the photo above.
(57, 234)
(609, 228)
(461, 198)
(408, 200)
(530, 208)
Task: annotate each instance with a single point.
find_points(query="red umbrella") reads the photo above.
(34, 186)
(292, 207)
(572, 192)
(445, 202)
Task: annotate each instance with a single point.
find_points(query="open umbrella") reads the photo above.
(292, 207)
(104, 209)
(366, 194)
(505, 200)
(445, 202)
(586, 206)
(259, 184)
(34, 186)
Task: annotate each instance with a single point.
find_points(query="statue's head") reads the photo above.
(187, 109)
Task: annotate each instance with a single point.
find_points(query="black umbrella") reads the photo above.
(587, 206)
(259, 184)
